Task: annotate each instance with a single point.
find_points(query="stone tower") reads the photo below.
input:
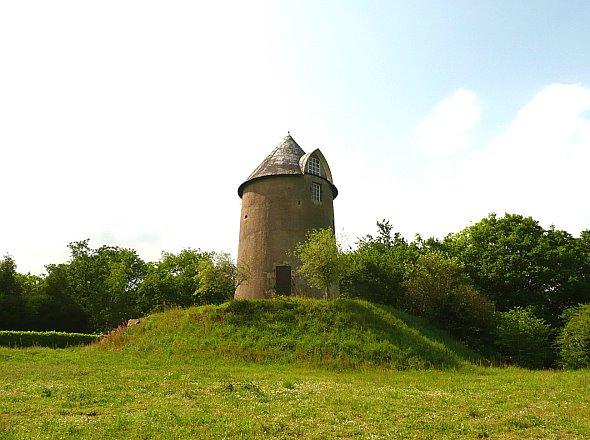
(289, 194)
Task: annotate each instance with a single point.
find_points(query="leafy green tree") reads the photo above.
(517, 263)
(57, 309)
(12, 306)
(431, 282)
(375, 269)
(574, 340)
(217, 279)
(172, 281)
(103, 282)
(523, 338)
(438, 289)
(33, 297)
(322, 260)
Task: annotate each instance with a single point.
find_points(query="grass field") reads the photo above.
(129, 387)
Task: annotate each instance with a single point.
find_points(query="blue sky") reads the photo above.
(133, 123)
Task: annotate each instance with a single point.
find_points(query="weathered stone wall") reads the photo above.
(277, 213)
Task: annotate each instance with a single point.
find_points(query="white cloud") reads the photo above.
(446, 129)
(538, 167)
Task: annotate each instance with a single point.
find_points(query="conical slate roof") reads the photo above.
(284, 159)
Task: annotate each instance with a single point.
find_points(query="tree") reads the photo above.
(375, 269)
(172, 281)
(322, 260)
(103, 282)
(574, 340)
(217, 279)
(58, 309)
(517, 263)
(523, 338)
(438, 289)
(12, 306)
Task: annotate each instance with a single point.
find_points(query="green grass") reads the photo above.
(165, 379)
(335, 334)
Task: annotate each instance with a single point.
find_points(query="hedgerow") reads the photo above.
(19, 339)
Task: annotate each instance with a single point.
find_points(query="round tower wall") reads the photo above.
(277, 213)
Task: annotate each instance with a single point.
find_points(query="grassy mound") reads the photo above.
(340, 333)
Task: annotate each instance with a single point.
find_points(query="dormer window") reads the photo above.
(313, 166)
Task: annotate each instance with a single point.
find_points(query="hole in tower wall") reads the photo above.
(246, 216)
(299, 202)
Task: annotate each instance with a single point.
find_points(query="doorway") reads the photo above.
(283, 280)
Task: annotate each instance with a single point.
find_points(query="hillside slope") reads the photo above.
(337, 334)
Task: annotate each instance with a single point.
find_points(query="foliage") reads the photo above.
(438, 289)
(19, 339)
(523, 338)
(97, 289)
(172, 281)
(217, 279)
(375, 270)
(11, 301)
(58, 308)
(103, 282)
(574, 340)
(517, 263)
(322, 260)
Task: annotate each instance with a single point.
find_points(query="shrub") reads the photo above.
(374, 273)
(322, 260)
(375, 270)
(523, 338)
(574, 340)
(216, 278)
(19, 339)
(438, 289)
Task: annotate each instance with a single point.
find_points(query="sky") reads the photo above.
(132, 123)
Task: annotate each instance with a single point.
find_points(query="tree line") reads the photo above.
(504, 285)
(98, 289)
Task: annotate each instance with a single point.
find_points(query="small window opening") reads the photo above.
(313, 166)
(299, 202)
(316, 192)
(246, 216)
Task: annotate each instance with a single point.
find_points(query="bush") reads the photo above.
(523, 339)
(19, 339)
(375, 274)
(375, 270)
(438, 289)
(574, 340)
(216, 279)
(322, 261)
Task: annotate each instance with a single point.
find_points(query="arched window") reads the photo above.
(313, 166)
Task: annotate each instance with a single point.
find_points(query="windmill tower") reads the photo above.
(289, 194)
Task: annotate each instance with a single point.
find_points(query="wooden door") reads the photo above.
(283, 280)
